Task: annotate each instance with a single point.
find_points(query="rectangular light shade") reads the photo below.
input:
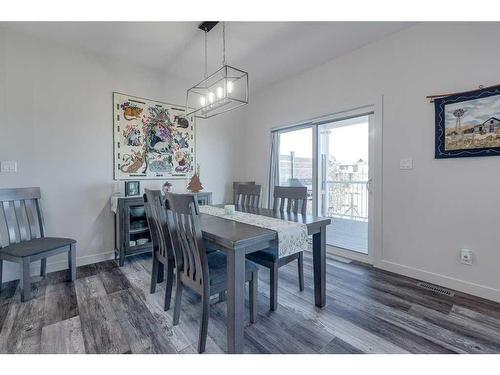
(223, 91)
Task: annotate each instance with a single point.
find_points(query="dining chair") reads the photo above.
(290, 200)
(22, 236)
(237, 184)
(163, 254)
(248, 195)
(204, 273)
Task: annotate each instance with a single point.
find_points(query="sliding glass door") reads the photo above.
(332, 157)
(344, 182)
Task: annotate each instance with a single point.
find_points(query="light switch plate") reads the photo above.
(9, 166)
(406, 163)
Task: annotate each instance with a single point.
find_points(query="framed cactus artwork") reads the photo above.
(152, 140)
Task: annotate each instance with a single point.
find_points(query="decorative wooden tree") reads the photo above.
(195, 184)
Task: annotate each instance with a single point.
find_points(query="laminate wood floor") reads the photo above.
(110, 310)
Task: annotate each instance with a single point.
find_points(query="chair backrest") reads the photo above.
(295, 197)
(236, 185)
(248, 195)
(185, 230)
(157, 223)
(20, 215)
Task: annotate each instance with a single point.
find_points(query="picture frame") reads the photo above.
(132, 188)
(468, 124)
(151, 139)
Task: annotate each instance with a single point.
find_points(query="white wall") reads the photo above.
(440, 206)
(56, 122)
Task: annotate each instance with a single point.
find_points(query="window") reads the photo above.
(331, 157)
(295, 160)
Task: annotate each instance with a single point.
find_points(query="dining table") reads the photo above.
(236, 239)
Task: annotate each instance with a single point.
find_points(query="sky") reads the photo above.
(477, 111)
(348, 144)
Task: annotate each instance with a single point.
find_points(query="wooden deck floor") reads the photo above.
(109, 310)
(348, 234)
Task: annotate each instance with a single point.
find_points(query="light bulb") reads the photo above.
(211, 97)
(219, 92)
(229, 86)
(202, 101)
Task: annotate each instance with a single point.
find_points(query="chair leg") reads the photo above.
(178, 298)
(161, 272)
(202, 340)
(252, 298)
(1, 271)
(43, 267)
(301, 271)
(154, 274)
(72, 262)
(274, 287)
(169, 285)
(25, 280)
(222, 296)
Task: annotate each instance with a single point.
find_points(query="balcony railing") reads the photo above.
(346, 199)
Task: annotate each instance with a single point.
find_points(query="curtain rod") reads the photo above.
(480, 87)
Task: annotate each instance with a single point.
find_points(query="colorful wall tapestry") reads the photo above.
(151, 139)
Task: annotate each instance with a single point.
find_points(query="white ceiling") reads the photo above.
(269, 51)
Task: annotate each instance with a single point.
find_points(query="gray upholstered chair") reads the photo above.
(291, 200)
(204, 273)
(22, 236)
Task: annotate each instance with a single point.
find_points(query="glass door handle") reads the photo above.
(369, 185)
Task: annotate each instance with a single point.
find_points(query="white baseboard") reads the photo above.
(442, 280)
(12, 273)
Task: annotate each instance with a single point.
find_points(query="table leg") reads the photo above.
(72, 262)
(235, 300)
(319, 267)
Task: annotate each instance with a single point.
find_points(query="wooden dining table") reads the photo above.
(237, 239)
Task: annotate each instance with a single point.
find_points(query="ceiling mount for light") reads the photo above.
(207, 25)
(220, 92)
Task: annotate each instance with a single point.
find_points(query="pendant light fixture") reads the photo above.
(220, 92)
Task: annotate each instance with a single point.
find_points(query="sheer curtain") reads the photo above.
(274, 166)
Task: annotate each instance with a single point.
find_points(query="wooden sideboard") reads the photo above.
(204, 198)
(131, 227)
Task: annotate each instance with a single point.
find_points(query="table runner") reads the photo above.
(292, 236)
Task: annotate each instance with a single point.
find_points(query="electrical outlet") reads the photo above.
(8, 166)
(466, 256)
(406, 163)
